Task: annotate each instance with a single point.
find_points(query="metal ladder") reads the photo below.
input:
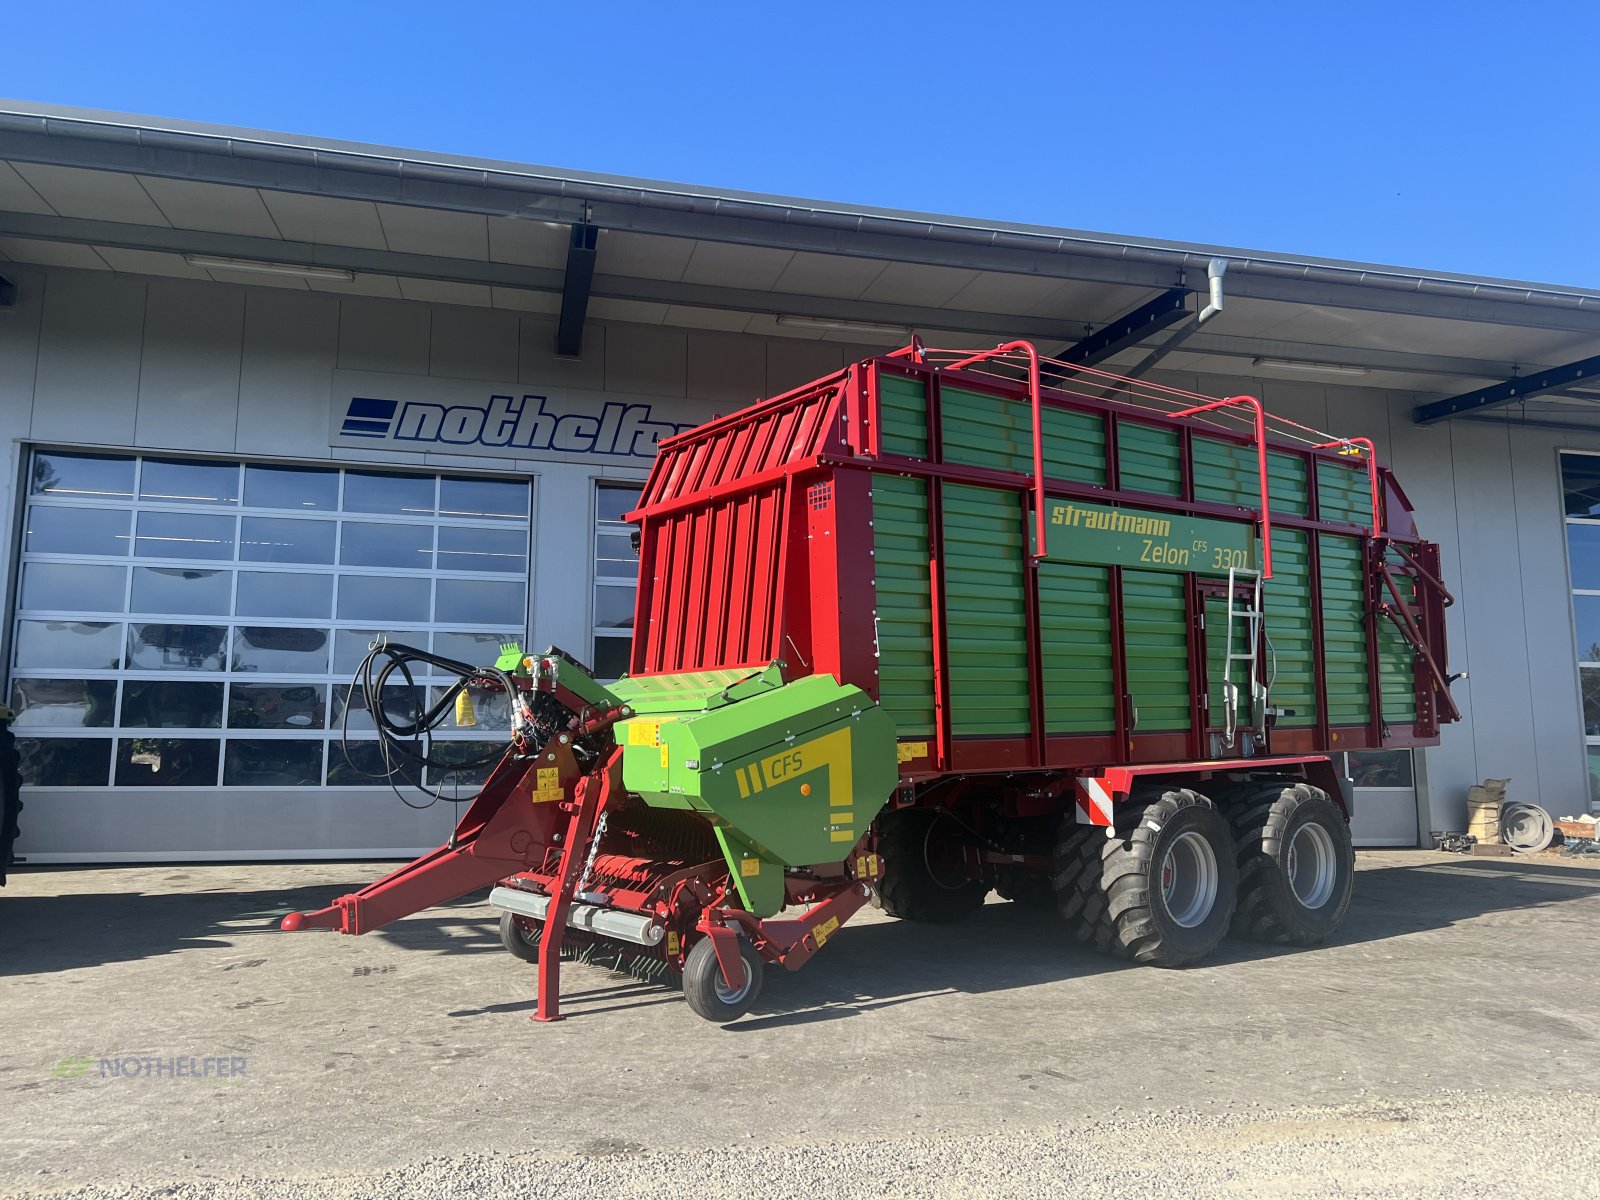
(1251, 656)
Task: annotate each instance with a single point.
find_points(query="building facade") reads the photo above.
(225, 483)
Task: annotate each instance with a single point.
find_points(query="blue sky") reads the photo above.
(1455, 136)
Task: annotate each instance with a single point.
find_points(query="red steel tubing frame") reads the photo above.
(1372, 474)
(1261, 460)
(1035, 400)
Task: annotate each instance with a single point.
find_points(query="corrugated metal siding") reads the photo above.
(1286, 483)
(905, 624)
(713, 598)
(1397, 679)
(986, 621)
(997, 432)
(1343, 493)
(1157, 633)
(1344, 631)
(1288, 604)
(1149, 459)
(1075, 624)
(902, 416)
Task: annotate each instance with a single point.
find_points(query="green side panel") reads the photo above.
(1075, 625)
(1149, 459)
(905, 621)
(1225, 473)
(997, 432)
(1286, 484)
(1396, 659)
(1216, 653)
(1077, 531)
(1344, 630)
(1344, 493)
(1157, 638)
(902, 416)
(986, 621)
(1288, 603)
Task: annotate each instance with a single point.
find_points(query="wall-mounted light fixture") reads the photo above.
(251, 266)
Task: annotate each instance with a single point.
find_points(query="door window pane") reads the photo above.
(171, 704)
(613, 607)
(284, 594)
(1591, 700)
(491, 708)
(184, 535)
(65, 762)
(611, 501)
(72, 587)
(183, 482)
(95, 645)
(409, 547)
(481, 602)
(272, 762)
(176, 647)
(402, 495)
(614, 555)
(1583, 551)
(399, 707)
(276, 706)
(383, 598)
(294, 488)
(1594, 776)
(1586, 615)
(281, 651)
(492, 499)
(62, 530)
(474, 649)
(167, 762)
(480, 549)
(361, 764)
(611, 657)
(182, 591)
(281, 540)
(58, 702)
(83, 476)
(351, 646)
(469, 760)
(1379, 768)
(1580, 480)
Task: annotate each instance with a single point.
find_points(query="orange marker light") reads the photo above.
(805, 789)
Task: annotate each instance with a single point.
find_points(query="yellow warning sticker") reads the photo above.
(663, 756)
(906, 751)
(672, 941)
(644, 733)
(750, 866)
(825, 931)
(548, 786)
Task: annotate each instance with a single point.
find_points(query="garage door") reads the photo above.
(189, 627)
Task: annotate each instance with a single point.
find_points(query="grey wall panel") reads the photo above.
(563, 557)
(89, 348)
(19, 359)
(792, 363)
(290, 346)
(189, 370)
(647, 360)
(726, 369)
(384, 335)
(537, 361)
(476, 343)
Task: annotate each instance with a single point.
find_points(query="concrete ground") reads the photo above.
(1443, 1044)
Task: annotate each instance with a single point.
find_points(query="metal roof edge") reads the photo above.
(59, 121)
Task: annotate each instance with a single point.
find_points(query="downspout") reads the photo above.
(1215, 270)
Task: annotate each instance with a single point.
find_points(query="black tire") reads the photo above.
(916, 884)
(1110, 890)
(521, 937)
(706, 990)
(10, 797)
(1296, 863)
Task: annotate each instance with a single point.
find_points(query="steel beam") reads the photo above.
(8, 293)
(575, 288)
(1129, 330)
(1552, 379)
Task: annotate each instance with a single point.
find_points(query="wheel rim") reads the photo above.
(727, 994)
(1313, 866)
(1189, 879)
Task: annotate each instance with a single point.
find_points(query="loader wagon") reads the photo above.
(943, 624)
